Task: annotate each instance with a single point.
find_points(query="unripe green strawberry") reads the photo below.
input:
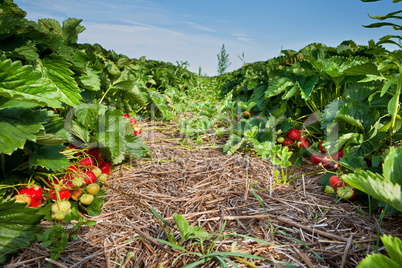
(102, 177)
(346, 192)
(92, 189)
(329, 190)
(59, 215)
(97, 171)
(78, 181)
(280, 139)
(86, 199)
(62, 205)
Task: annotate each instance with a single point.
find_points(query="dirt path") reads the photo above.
(210, 188)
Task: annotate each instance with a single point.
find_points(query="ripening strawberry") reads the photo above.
(97, 171)
(335, 182)
(59, 215)
(78, 181)
(102, 177)
(23, 198)
(35, 192)
(75, 195)
(89, 177)
(294, 134)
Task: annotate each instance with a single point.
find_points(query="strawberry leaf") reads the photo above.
(17, 126)
(20, 82)
(393, 165)
(18, 226)
(375, 185)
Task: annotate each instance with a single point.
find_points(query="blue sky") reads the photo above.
(194, 31)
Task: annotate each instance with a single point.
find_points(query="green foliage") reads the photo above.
(18, 226)
(393, 245)
(386, 188)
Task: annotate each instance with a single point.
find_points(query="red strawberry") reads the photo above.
(105, 167)
(316, 158)
(294, 134)
(63, 193)
(35, 192)
(89, 177)
(322, 148)
(126, 116)
(73, 168)
(148, 85)
(137, 132)
(94, 152)
(133, 121)
(338, 155)
(335, 182)
(303, 142)
(287, 142)
(87, 161)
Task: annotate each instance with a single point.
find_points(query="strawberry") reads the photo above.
(294, 134)
(303, 142)
(86, 199)
(133, 121)
(62, 205)
(335, 182)
(280, 139)
(322, 148)
(338, 155)
(92, 188)
(23, 198)
(137, 132)
(94, 152)
(59, 215)
(75, 195)
(126, 116)
(72, 168)
(316, 158)
(87, 162)
(35, 192)
(63, 193)
(246, 114)
(78, 181)
(102, 177)
(105, 167)
(148, 85)
(346, 192)
(89, 177)
(287, 142)
(97, 171)
(329, 190)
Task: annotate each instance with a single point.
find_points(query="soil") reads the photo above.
(297, 222)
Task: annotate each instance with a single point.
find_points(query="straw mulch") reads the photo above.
(210, 188)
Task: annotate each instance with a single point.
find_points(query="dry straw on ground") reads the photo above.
(210, 188)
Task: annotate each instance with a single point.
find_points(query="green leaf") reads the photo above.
(136, 148)
(90, 80)
(394, 247)
(378, 260)
(392, 167)
(18, 226)
(48, 157)
(57, 69)
(17, 126)
(182, 224)
(376, 186)
(95, 208)
(23, 83)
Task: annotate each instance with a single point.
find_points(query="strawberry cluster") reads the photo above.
(294, 136)
(134, 124)
(342, 190)
(80, 182)
(325, 158)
